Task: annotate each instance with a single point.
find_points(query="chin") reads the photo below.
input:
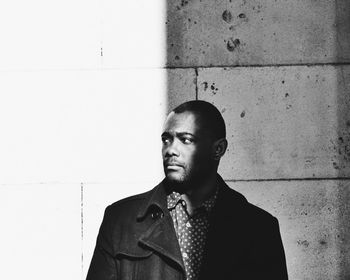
(178, 182)
(174, 178)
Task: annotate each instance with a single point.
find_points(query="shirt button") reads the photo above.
(185, 255)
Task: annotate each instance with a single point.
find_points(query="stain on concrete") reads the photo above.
(227, 16)
(257, 8)
(214, 89)
(232, 44)
(184, 3)
(286, 95)
(341, 146)
(303, 213)
(335, 165)
(310, 161)
(294, 154)
(205, 85)
(303, 243)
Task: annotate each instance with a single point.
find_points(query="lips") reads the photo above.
(172, 164)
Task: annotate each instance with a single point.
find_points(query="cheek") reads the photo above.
(199, 157)
(205, 157)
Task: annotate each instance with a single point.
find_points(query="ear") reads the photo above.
(219, 148)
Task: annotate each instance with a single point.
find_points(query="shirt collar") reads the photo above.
(174, 198)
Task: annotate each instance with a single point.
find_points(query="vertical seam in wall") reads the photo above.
(196, 81)
(82, 227)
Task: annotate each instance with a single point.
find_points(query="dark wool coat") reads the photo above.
(137, 240)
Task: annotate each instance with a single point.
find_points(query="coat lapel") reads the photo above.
(159, 233)
(222, 251)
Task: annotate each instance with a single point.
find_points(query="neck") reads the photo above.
(200, 192)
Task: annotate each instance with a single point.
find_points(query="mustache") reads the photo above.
(167, 162)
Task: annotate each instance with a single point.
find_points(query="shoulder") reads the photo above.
(248, 211)
(128, 207)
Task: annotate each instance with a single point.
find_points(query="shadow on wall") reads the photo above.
(254, 33)
(342, 163)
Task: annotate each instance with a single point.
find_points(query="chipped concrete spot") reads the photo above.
(303, 243)
(243, 114)
(335, 165)
(303, 213)
(213, 88)
(205, 85)
(227, 16)
(232, 44)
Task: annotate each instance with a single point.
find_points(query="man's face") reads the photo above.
(187, 149)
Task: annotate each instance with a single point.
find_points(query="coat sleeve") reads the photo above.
(103, 266)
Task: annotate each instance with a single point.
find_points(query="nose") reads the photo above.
(171, 149)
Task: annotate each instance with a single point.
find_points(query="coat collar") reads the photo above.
(159, 234)
(155, 198)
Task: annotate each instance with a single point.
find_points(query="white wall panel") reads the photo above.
(47, 34)
(81, 125)
(133, 33)
(40, 236)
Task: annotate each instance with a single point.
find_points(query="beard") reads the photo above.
(183, 181)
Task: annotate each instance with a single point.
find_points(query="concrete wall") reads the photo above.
(72, 73)
(279, 71)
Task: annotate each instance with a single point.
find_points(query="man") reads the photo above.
(192, 225)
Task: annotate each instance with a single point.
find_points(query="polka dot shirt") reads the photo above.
(191, 231)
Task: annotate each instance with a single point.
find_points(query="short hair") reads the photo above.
(209, 114)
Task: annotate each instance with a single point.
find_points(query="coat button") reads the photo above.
(157, 215)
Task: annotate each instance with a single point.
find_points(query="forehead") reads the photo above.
(182, 122)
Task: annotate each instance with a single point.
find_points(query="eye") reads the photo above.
(165, 140)
(186, 140)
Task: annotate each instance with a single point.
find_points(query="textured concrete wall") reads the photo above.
(279, 71)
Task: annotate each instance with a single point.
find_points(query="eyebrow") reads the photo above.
(178, 134)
